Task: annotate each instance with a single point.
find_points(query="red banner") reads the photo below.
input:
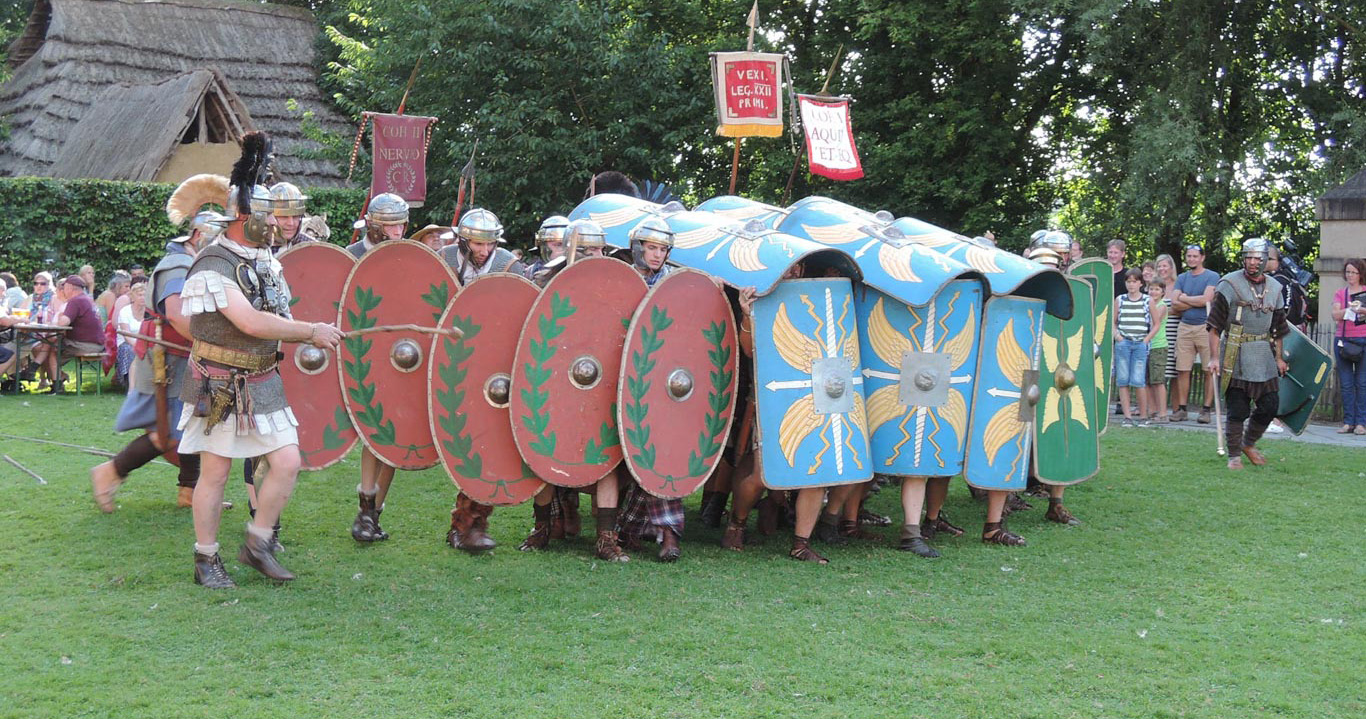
(829, 138)
(749, 100)
(400, 151)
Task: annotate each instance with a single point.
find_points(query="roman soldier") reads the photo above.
(476, 251)
(234, 402)
(289, 213)
(1246, 323)
(549, 244)
(153, 401)
(386, 218)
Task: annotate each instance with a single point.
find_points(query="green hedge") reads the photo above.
(59, 225)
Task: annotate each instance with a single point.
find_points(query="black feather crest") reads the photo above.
(250, 167)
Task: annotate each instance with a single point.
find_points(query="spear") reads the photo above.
(466, 176)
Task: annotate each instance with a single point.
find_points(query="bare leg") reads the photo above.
(912, 499)
(996, 503)
(1209, 391)
(278, 487)
(208, 496)
(808, 509)
(1124, 402)
(606, 492)
(1142, 402)
(1183, 389)
(936, 491)
(747, 490)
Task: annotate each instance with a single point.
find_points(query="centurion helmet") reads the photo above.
(288, 199)
(580, 237)
(650, 229)
(553, 229)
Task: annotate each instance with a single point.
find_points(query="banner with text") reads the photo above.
(829, 134)
(749, 98)
(400, 152)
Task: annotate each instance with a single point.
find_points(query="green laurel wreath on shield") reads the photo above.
(437, 296)
(382, 431)
(332, 438)
(537, 418)
(718, 399)
(642, 363)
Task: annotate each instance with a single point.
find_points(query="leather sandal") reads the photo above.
(1254, 455)
(996, 533)
(850, 529)
(669, 550)
(802, 552)
(942, 524)
(608, 548)
(734, 537)
(1058, 513)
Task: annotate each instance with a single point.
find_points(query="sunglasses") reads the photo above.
(40, 284)
(1197, 248)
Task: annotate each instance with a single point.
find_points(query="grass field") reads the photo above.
(1189, 592)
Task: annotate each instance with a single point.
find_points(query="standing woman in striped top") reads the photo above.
(1166, 271)
(1133, 329)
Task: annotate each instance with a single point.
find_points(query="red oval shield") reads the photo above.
(316, 273)
(470, 377)
(677, 393)
(568, 361)
(384, 373)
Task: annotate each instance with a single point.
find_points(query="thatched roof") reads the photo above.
(74, 51)
(114, 141)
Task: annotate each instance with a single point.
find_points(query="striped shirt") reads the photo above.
(1132, 317)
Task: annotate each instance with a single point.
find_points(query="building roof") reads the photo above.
(77, 55)
(1344, 202)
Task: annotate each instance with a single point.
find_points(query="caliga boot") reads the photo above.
(366, 527)
(912, 542)
(713, 508)
(209, 572)
(608, 547)
(256, 552)
(540, 532)
(469, 525)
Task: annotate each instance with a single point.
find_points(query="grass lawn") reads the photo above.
(1189, 591)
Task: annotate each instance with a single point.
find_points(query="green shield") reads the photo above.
(1102, 277)
(1066, 433)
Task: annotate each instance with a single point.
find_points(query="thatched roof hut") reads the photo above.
(153, 89)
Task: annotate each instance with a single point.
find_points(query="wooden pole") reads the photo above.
(26, 470)
(734, 166)
(402, 103)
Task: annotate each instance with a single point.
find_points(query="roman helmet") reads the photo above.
(249, 200)
(384, 209)
(553, 228)
(289, 201)
(1257, 249)
(478, 225)
(580, 236)
(650, 229)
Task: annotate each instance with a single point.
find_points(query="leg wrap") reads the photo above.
(138, 452)
(189, 470)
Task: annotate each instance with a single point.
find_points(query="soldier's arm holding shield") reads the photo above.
(267, 325)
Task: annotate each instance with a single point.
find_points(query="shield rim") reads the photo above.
(431, 395)
(1034, 457)
(732, 334)
(337, 364)
(521, 342)
(1108, 341)
(341, 379)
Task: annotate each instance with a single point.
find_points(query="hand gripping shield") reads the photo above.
(384, 374)
(566, 368)
(1066, 438)
(470, 379)
(1005, 393)
(812, 429)
(1102, 278)
(318, 272)
(678, 378)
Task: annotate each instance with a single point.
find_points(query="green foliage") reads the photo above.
(537, 374)
(62, 224)
(369, 413)
(452, 373)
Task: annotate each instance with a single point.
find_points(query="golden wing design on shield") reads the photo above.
(896, 261)
(982, 260)
(840, 234)
(799, 421)
(796, 349)
(850, 351)
(859, 415)
(1103, 322)
(1004, 426)
(615, 217)
(960, 346)
(1074, 355)
(1050, 352)
(744, 254)
(888, 344)
(1052, 410)
(933, 239)
(884, 405)
(1010, 357)
(745, 213)
(955, 412)
(698, 237)
(1077, 408)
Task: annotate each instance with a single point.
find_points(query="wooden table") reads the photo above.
(51, 335)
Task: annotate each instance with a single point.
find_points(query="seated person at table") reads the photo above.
(85, 338)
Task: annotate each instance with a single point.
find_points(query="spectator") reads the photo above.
(1076, 250)
(1114, 254)
(129, 320)
(1350, 316)
(1166, 271)
(14, 294)
(1149, 274)
(1133, 330)
(87, 273)
(118, 287)
(41, 297)
(86, 335)
(1194, 292)
(136, 271)
(1160, 307)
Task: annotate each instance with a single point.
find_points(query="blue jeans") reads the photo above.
(1352, 385)
(1131, 363)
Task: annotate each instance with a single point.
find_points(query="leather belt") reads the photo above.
(233, 358)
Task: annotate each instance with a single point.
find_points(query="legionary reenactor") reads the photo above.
(549, 244)
(642, 514)
(1247, 323)
(476, 251)
(234, 401)
(385, 219)
(153, 401)
(552, 506)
